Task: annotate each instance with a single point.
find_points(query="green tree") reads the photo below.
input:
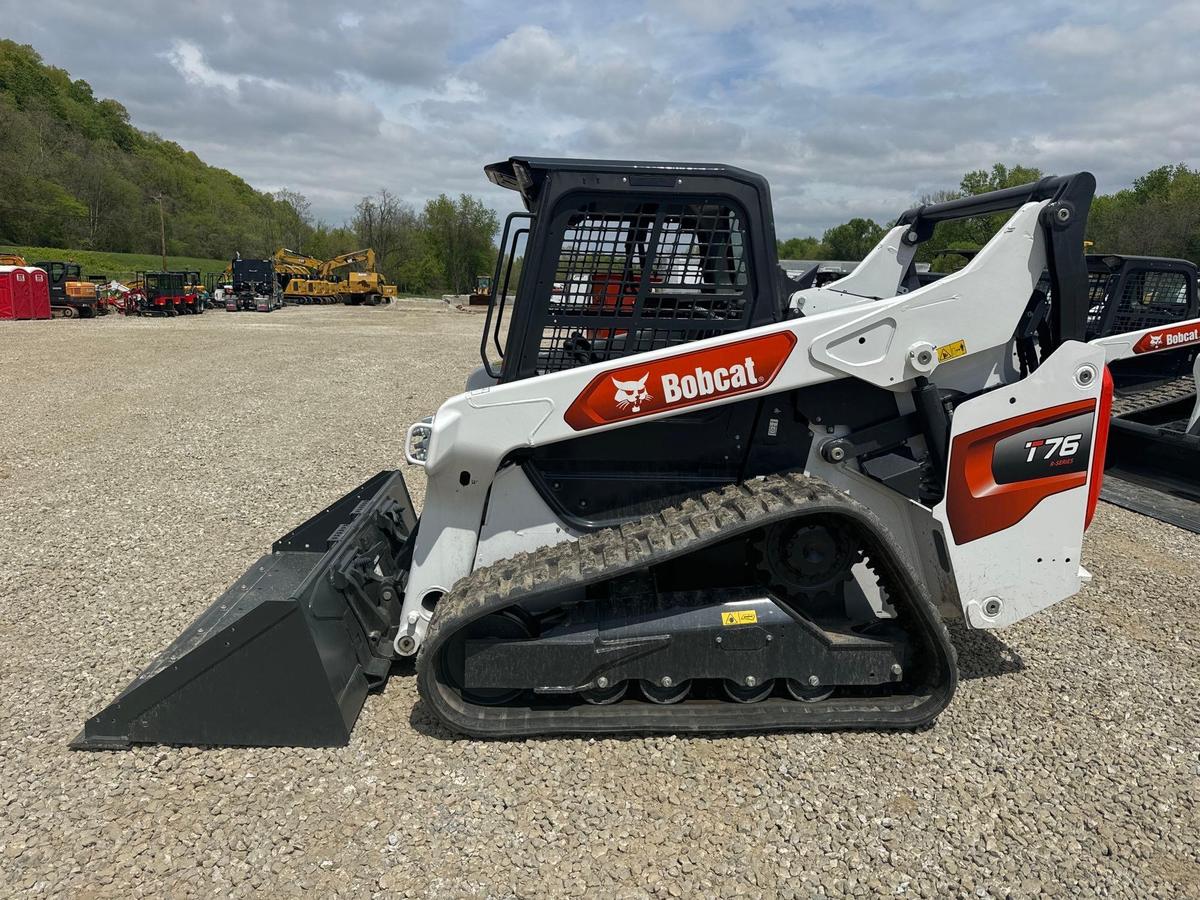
(853, 239)
(389, 227)
(296, 216)
(971, 233)
(76, 173)
(418, 273)
(803, 248)
(1158, 216)
(459, 235)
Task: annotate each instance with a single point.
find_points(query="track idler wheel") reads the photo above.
(506, 625)
(665, 694)
(743, 693)
(809, 555)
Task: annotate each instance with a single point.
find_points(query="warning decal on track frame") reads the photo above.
(741, 617)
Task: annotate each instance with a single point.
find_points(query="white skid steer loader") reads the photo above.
(677, 498)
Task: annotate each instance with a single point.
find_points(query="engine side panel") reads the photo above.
(1017, 488)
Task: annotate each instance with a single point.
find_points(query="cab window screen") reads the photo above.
(1150, 299)
(637, 275)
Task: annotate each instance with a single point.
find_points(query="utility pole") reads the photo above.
(162, 230)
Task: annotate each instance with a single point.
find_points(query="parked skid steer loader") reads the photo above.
(1145, 313)
(679, 495)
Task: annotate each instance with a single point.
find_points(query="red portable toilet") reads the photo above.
(39, 294)
(8, 309)
(22, 299)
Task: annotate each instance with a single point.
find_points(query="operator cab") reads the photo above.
(622, 258)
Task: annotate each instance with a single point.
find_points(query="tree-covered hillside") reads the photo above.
(77, 174)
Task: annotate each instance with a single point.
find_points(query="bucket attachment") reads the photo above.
(287, 655)
(1153, 462)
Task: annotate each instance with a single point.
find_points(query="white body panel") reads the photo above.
(517, 518)
(1121, 346)
(877, 276)
(880, 347)
(1194, 421)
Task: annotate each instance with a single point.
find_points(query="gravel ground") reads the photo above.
(146, 463)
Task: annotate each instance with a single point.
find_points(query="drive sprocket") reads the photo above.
(809, 562)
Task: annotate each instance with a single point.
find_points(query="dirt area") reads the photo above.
(147, 463)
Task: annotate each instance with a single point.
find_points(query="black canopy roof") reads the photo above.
(526, 174)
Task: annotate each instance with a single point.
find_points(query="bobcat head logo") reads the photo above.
(1156, 340)
(632, 394)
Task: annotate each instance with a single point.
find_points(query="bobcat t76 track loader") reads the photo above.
(680, 495)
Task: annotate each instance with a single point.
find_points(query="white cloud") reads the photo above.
(849, 109)
(713, 15)
(188, 59)
(1079, 40)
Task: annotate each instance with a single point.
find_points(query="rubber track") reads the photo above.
(1162, 393)
(694, 524)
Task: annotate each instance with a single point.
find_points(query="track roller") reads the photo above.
(743, 693)
(807, 693)
(665, 694)
(602, 696)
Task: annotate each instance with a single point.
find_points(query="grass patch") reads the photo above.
(122, 266)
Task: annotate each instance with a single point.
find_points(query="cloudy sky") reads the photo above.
(852, 108)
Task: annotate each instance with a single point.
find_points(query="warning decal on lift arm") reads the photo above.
(952, 351)
(741, 617)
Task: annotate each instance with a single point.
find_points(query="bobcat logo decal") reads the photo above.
(632, 394)
(667, 383)
(1184, 335)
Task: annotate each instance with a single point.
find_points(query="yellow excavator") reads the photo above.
(300, 279)
(360, 285)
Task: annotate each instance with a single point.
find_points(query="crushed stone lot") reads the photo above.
(148, 462)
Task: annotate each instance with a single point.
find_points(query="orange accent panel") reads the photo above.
(975, 505)
(1100, 447)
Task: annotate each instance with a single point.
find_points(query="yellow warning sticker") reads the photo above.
(952, 351)
(741, 617)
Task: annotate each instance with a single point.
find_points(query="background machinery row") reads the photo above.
(260, 285)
